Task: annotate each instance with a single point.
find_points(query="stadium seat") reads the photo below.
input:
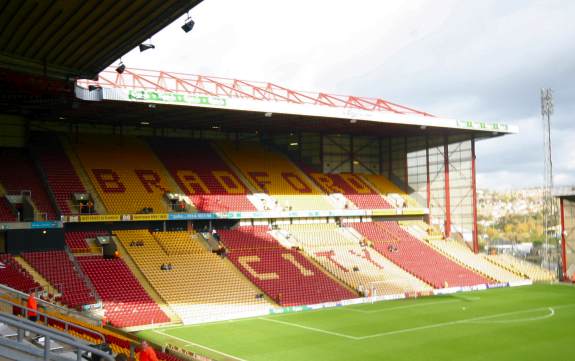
(57, 268)
(521, 267)
(274, 174)
(59, 172)
(125, 172)
(203, 175)
(200, 286)
(416, 257)
(283, 274)
(126, 303)
(359, 266)
(352, 187)
(14, 276)
(24, 177)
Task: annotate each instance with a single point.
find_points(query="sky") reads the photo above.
(462, 59)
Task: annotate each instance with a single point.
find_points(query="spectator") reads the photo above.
(32, 305)
(147, 353)
(121, 357)
(215, 235)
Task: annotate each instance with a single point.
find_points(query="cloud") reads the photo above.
(483, 60)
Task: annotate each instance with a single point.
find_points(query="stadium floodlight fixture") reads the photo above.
(144, 47)
(94, 87)
(120, 69)
(268, 114)
(144, 122)
(188, 25)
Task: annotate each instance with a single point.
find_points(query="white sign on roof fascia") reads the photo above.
(283, 107)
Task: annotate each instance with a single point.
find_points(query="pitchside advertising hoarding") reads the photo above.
(284, 107)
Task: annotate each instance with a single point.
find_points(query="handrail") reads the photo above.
(48, 317)
(46, 304)
(79, 347)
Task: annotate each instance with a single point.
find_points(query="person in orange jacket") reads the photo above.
(147, 353)
(32, 305)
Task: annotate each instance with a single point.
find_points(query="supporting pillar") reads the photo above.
(428, 180)
(389, 159)
(447, 193)
(321, 152)
(563, 241)
(405, 170)
(474, 190)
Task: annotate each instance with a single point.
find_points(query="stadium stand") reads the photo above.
(59, 270)
(77, 240)
(521, 267)
(58, 170)
(125, 172)
(274, 174)
(352, 187)
(359, 266)
(24, 177)
(203, 175)
(198, 285)
(6, 214)
(284, 275)
(125, 302)
(416, 257)
(395, 195)
(14, 276)
(461, 253)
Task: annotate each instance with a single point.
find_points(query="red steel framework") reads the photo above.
(171, 82)
(563, 240)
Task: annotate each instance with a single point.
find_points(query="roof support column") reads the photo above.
(474, 201)
(563, 241)
(447, 193)
(428, 178)
(405, 171)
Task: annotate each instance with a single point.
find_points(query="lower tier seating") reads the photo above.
(357, 265)
(416, 257)
(198, 285)
(463, 254)
(59, 270)
(14, 276)
(521, 267)
(126, 303)
(283, 274)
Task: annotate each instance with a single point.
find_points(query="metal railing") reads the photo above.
(50, 335)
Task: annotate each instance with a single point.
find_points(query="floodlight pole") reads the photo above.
(549, 204)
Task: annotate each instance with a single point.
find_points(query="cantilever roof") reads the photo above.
(198, 91)
(78, 38)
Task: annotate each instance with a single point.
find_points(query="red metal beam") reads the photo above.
(447, 193)
(474, 204)
(563, 241)
(428, 180)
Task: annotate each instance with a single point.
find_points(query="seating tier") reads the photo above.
(126, 303)
(14, 276)
(203, 175)
(352, 187)
(283, 274)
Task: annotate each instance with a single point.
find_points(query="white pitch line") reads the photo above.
(406, 306)
(311, 328)
(198, 345)
(538, 318)
(468, 320)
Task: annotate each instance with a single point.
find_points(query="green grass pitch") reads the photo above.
(524, 323)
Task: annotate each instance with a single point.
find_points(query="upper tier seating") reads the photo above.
(416, 257)
(125, 172)
(284, 275)
(386, 187)
(23, 176)
(273, 173)
(14, 276)
(463, 254)
(203, 175)
(59, 172)
(126, 303)
(530, 270)
(360, 267)
(57, 268)
(6, 214)
(352, 187)
(200, 286)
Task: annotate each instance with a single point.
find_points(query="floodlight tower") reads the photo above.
(549, 205)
